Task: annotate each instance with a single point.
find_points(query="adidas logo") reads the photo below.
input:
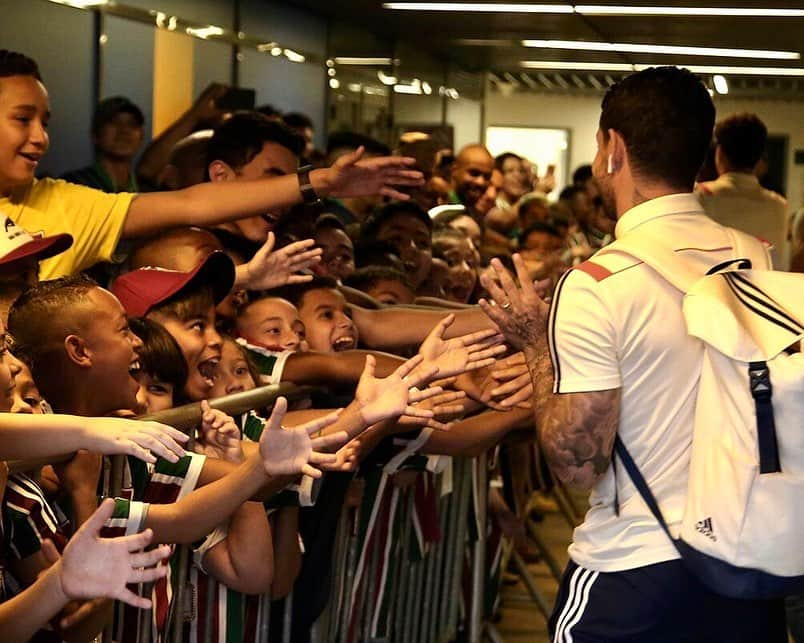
(705, 527)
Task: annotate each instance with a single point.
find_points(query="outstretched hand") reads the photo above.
(459, 354)
(94, 567)
(392, 396)
(144, 440)
(270, 268)
(219, 436)
(517, 310)
(350, 176)
(292, 450)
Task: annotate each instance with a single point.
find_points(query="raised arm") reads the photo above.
(399, 327)
(576, 430)
(336, 369)
(212, 203)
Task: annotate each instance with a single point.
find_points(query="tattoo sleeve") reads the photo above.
(576, 430)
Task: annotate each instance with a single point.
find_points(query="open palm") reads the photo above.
(392, 396)
(292, 450)
(459, 354)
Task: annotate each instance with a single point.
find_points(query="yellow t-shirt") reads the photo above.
(94, 219)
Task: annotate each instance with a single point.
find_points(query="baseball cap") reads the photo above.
(108, 108)
(16, 243)
(142, 289)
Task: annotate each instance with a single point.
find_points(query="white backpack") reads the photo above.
(743, 528)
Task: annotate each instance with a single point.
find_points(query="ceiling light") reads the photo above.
(205, 32)
(334, 83)
(482, 7)
(82, 4)
(331, 72)
(696, 69)
(355, 87)
(721, 86)
(426, 88)
(742, 71)
(620, 47)
(294, 56)
(385, 79)
(579, 66)
(376, 91)
(266, 46)
(276, 51)
(408, 89)
(357, 60)
(630, 10)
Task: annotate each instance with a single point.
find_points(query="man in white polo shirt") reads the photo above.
(616, 360)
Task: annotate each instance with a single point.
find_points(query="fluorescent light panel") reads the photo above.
(597, 9)
(631, 10)
(355, 60)
(620, 47)
(482, 7)
(696, 69)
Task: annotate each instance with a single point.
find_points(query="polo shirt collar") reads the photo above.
(682, 203)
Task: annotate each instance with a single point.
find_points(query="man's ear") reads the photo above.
(78, 352)
(617, 152)
(220, 171)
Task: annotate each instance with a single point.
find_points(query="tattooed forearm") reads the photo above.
(576, 430)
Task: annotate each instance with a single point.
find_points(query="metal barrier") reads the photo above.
(379, 592)
(425, 594)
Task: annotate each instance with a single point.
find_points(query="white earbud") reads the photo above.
(611, 164)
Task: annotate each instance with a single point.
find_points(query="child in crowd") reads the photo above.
(338, 258)
(407, 227)
(462, 259)
(387, 285)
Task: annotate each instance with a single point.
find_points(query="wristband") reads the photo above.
(309, 196)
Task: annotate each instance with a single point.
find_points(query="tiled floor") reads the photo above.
(522, 622)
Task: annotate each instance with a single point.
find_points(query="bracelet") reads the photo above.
(309, 196)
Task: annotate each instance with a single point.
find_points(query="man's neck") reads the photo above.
(635, 194)
(119, 170)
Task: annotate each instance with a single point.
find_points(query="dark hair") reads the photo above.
(366, 278)
(239, 139)
(502, 158)
(369, 252)
(160, 355)
(108, 108)
(39, 322)
(295, 294)
(742, 138)
(268, 110)
(541, 227)
(581, 175)
(297, 120)
(371, 226)
(190, 302)
(329, 221)
(665, 116)
(348, 141)
(13, 63)
(569, 192)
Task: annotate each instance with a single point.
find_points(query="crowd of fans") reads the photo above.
(208, 264)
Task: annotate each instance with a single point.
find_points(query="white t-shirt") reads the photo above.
(615, 323)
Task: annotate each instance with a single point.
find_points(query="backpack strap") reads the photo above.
(656, 254)
(762, 391)
(641, 484)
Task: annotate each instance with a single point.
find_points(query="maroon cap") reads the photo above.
(142, 289)
(16, 244)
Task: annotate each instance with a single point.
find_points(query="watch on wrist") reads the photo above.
(309, 196)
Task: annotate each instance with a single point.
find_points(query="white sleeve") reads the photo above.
(581, 336)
